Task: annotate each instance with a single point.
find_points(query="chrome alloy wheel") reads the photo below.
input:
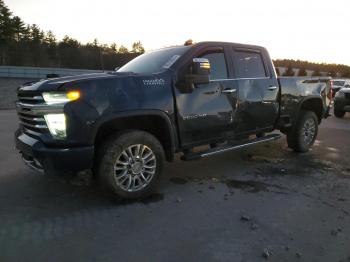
(309, 131)
(135, 168)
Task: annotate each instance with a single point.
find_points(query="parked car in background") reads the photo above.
(342, 102)
(338, 84)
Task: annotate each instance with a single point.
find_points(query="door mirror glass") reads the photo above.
(201, 66)
(200, 71)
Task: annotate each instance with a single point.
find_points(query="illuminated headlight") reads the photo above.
(60, 98)
(57, 125)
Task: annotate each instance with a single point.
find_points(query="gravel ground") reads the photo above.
(261, 203)
(8, 88)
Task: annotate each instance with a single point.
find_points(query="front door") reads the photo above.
(209, 111)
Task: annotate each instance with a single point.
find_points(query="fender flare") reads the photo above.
(142, 112)
(307, 98)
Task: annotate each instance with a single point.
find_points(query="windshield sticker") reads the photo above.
(171, 61)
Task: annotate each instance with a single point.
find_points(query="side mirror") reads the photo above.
(200, 74)
(201, 66)
(200, 71)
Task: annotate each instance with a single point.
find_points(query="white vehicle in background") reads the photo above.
(338, 84)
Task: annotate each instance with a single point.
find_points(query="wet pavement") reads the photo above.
(261, 203)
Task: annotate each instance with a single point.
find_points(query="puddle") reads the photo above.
(271, 171)
(252, 186)
(265, 158)
(247, 185)
(178, 180)
(154, 198)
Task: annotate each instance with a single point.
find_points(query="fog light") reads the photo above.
(57, 125)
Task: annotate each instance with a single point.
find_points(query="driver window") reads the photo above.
(218, 67)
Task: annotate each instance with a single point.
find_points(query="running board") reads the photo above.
(230, 147)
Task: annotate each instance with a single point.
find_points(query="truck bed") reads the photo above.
(295, 90)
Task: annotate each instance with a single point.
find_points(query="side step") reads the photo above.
(230, 147)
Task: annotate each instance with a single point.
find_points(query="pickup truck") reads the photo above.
(123, 125)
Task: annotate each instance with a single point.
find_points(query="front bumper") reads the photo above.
(42, 158)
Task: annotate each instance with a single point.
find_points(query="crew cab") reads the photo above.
(123, 125)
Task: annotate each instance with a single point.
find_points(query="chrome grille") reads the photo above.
(32, 121)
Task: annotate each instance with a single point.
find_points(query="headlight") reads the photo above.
(60, 98)
(57, 125)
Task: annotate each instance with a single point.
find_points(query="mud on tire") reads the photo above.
(135, 156)
(302, 137)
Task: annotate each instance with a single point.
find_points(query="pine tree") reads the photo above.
(123, 50)
(6, 32)
(289, 71)
(137, 48)
(302, 72)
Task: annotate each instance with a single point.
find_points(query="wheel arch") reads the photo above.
(313, 104)
(155, 122)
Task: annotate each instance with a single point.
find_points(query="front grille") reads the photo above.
(32, 121)
(347, 95)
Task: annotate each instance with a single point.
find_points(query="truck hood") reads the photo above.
(54, 84)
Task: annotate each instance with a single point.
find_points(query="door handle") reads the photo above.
(271, 88)
(229, 91)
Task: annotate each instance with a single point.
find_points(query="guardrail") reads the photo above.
(40, 72)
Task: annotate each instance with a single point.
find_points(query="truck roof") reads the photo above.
(214, 43)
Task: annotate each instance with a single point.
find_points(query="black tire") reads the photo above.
(339, 113)
(299, 139)
(260, 135)
(112, 150)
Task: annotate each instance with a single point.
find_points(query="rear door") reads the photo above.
(258, 89)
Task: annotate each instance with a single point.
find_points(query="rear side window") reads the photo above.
(218, 68)
(248, 65)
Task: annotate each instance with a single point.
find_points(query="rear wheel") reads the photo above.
(131, 164)
(304, 134)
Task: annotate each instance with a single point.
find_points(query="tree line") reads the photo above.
(318, 69)
(28, 45)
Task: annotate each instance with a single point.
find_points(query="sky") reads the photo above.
(317, 31)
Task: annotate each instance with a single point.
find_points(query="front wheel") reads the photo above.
(304, 134)
(131, 164)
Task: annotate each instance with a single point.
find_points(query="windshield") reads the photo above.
(338, 83)
(155, 61)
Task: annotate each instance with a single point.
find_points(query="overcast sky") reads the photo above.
(301, 29)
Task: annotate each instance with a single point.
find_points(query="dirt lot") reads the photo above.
(262, 203)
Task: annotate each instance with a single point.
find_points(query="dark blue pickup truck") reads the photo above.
(123, 125)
